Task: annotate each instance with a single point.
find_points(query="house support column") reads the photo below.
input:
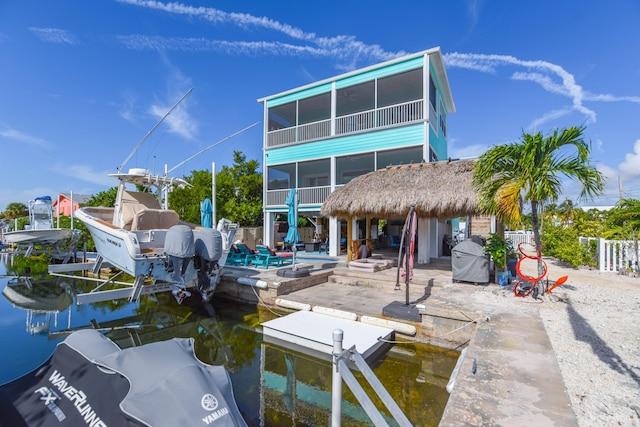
(434, 238)
(367, 233)
(424, 238)
(334, 236)
(349, 239)
(267, 231)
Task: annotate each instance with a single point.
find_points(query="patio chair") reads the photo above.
(324, 246)
(267, 257)
(240, 254)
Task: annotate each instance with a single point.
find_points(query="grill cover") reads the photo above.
(469, 262)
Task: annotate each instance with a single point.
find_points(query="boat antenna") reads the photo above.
(152, 129)
(210, 147)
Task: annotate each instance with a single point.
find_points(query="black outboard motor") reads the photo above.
(179, 246)
(208, 247)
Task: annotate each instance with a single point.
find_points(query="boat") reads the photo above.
(141, 237)
(89, 380)
(41, 298)
(40, 230)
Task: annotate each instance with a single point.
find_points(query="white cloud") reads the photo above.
(343, 47)
(84, 173)
(468, 151)
(179, 121)
(551, 77)
(23, 138)
(631, 164)
(551, 115)
(193, 44)
(55, 35)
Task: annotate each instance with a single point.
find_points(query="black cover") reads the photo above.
(469, 262)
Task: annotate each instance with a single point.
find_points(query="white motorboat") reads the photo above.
(149, 242)
(40, 230)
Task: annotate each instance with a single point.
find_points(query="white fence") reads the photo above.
(613, 255)
(616, 255)
(517, 238)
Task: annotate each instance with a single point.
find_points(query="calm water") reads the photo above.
(273, 386)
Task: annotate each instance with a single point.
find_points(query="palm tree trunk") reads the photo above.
(535, 223)
(536, 237)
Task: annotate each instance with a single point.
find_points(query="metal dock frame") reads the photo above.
(130, 291)
(341, 372)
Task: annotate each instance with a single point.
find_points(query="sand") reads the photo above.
(593, 323)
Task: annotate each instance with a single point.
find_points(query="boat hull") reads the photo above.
(141, 253)
(137, 253)
(50, 236)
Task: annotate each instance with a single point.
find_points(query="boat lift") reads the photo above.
(128, 290)
(308, 332)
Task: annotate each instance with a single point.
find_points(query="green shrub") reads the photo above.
(590, 253)
(563, 244)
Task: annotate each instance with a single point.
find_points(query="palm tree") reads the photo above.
(530, 170)
(624, 220)
(568, 212)
(16, 210)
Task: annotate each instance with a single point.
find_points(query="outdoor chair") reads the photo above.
(267, 257)
(324, 246)
(240, 254)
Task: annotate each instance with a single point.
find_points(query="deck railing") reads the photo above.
(306, 196)
(377, 118)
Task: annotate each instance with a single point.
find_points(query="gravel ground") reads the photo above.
(593, 322)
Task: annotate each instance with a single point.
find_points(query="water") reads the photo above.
(273, 386)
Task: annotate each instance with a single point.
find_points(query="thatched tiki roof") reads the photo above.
(439, 190)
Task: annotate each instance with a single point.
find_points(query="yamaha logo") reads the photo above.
(209, 402)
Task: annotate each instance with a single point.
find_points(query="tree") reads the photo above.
(590, 223)
(16, 210)
(567, 211)
(186, 201)
(624, 220)
(238, 193)
(529, 170)
(106, 198)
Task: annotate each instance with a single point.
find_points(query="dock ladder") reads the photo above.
(341, 372)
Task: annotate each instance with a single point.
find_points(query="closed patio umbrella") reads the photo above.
(206, 211)
(293, 235)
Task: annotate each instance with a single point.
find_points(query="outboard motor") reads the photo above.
(179, 246)
(208, 247)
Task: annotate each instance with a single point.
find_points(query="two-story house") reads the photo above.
(320, 136)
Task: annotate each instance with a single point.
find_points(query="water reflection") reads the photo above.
(273, 385)
(42, 298)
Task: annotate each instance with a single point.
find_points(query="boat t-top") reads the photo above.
(40, 230)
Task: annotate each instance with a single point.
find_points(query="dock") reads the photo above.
(312, 333)
(491, 386)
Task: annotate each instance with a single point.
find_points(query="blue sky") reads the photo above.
(83, 82)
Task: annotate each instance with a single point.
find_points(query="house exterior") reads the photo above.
(67, 203)
(318, 137)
